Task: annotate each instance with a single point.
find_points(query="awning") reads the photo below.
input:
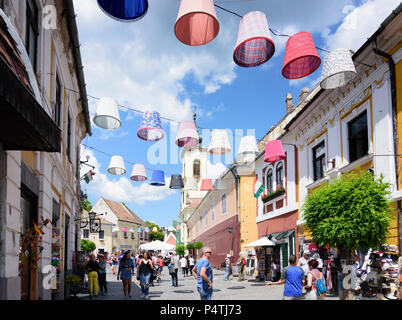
(282, 235)
(24, 124)
(262, 242)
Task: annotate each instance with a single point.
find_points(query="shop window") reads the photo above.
(269, 181)
(279, 175)
(86, 234)
(319, 161)
(32, 31)
(102, 234)
(58, 102)
(358, 137)
(196, 168)
(223, 203)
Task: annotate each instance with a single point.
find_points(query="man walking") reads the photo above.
(303, 262)
(241, 264)
(227, 267)
(203, 273)
(183, 265)
(175, 262)
(292, 277)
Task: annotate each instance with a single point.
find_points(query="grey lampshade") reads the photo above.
(176, 182)
(220, 184)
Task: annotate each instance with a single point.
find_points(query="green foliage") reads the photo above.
(175, 223)
(87, 205)
(87, 246)
(198, 245)
(73, 280)
(180, 249)
(190, 246)
(155, 235)
(350, 213)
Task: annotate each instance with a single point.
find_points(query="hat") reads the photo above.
(306, 252)
(228, 255)
(392, 248)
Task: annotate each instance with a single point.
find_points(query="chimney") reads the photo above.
(289, 103)
(304, 93)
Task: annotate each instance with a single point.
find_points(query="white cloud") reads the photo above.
(215, 171)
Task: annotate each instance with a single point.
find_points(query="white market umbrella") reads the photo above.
(263, 242)
(157, 245)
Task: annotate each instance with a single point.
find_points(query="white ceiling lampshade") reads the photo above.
(191, 184)
(107, 114)
(219, 144)
(116, 166)
(248, 149)
(139, 173)
(132, 230)
(338, 69)
(115, 229)
(220, 184)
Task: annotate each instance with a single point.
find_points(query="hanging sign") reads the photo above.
(258, 189)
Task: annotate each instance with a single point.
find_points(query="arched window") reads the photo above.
(270, 181)
(196, 168)
(279, 175)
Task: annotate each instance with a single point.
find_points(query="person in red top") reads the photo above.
(241, 263)
(159, 263)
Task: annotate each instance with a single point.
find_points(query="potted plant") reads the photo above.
(274, 194)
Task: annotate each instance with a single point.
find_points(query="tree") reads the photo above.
(87, 246)
(198, 245)
(180, 249)
(190, 247)
(87, 205)
(159, 235)
(350, 213)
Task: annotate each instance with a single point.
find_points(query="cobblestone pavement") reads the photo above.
(187, 289)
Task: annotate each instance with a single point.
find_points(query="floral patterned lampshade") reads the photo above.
(206, 185)
(139, 173)
(196, 22)
(116, 166)
(301, 56)
(254, 44)
(187, 135)
(158, 178)
(124, 10)
(274, 151)
(107, 114)
(219, 144)
(150, 127)
(338, 69)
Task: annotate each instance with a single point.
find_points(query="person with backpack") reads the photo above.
(241, 264)
(292, 277)
(315, 287)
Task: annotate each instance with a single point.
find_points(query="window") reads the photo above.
(57, 106)
(270, 181)
(213, 212)
(224, 203)
(86, 233)
(69, 136)
(196, 168)
(32, 31)
(125, 235)
(102, 234)
(319, 161)
(279, 175)
(358, 137)
(132, 235)
(206, 217)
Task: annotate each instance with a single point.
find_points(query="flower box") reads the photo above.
(275, 194)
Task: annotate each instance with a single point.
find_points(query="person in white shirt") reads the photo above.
(191, 263)
(303, 262)
(316, 256)
(183, 265)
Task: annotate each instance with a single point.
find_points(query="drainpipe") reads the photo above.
(237, 183)
(392, 70)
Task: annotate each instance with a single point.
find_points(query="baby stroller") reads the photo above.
(155, 276)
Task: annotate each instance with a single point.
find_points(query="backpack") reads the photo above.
(321, 290)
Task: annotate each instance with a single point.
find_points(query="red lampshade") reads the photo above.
(301, 56)
(206, 185)
(274, 151)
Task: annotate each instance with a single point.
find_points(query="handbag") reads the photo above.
(171, 269)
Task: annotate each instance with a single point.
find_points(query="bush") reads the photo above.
(180, 249)
(87, 246)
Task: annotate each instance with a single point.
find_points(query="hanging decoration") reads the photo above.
(206, 185)
(248, 149)
(176, 182)
(116, 166)
(139, 230)
(301, 56)
(107, 114)
(115, 229)
(274, 151)
(196, 22)
(139, 173)
(191, 184)
(150, 127)
(219, 144)
(187, 134)
(220, 184)
(124, 229)
(132, 230)
(155, 229)
(338, 69)
(124, 10)
(158, 178)
(89, 176)
(254, 44)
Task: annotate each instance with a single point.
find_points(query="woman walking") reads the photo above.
(312, 277)
(126, 268)
(183, 265)
(144, 272)
(102, 274)
(115, 262)
(191, 263)
(92, 267)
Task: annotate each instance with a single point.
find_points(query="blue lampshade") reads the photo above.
(139, 230)
(158, 178)
(124, 10)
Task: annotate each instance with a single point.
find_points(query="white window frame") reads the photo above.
(311, 153)
(83, 234)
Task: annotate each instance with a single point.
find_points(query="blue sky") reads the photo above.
(143, 66)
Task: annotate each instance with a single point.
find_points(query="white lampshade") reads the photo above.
(115, 229)
(248, 149)
(116, 166)
(139, 173)
(191, 184)
(107, 114)
(219, 144)
(338, 69)
(132, 230)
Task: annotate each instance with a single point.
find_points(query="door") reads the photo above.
(285, 255)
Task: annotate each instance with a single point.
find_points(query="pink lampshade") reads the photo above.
(206, 185)
(196, 22)
(124, 229)
(274, 151)
(187, 135)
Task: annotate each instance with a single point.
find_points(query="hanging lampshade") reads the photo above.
(155, 229)
(254, 44)
(115, 229)
(220, 184)
(248, 149)
(124, 229)
(191, 184)
(274, 151)
(139, 173)
(107, 114)
(176, 182)
(150, 127)
(301, 56)
(219, 142)
(132, 230)
(196, 22)
(158, 178)
(116, 166)
(206, 185)
(139, 230)
(338, 69)
(124, 10)
(187, 135)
